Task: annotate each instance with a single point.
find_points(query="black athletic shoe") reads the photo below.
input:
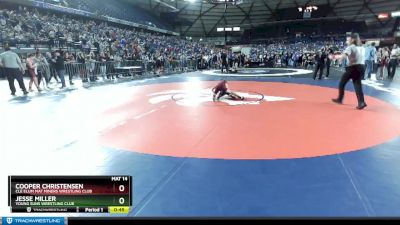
(337, 101)
(71, 83)
(362, 106)
(13, 94)
(26, 93)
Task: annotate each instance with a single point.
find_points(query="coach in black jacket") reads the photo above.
(320, 59)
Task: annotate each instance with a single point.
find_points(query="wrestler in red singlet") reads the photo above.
(222, 89)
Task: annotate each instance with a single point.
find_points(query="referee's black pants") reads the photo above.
(328, 67)
(356, 73)
(12, 74)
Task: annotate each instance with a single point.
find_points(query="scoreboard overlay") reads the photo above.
(70, 194)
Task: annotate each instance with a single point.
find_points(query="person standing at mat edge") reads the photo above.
(355, 70)
(59, 65)
(224, 62)
(394, 57)
(329, 57)
(370, 54)
(13, 68)
(320, 60)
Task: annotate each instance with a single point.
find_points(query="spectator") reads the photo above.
(394, 57)
(51, 58)
(320, 60)
(42, 69)
(370, 54)
(59, 65)
(383, 59)
(103, 65)
(81, 60)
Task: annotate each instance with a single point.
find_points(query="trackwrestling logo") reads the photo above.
(34, 220)
(192, 98)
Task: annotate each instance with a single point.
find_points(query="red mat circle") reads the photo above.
(307, 126)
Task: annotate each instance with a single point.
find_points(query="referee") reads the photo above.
(224, 62)
(13, 68)
(355, 70)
